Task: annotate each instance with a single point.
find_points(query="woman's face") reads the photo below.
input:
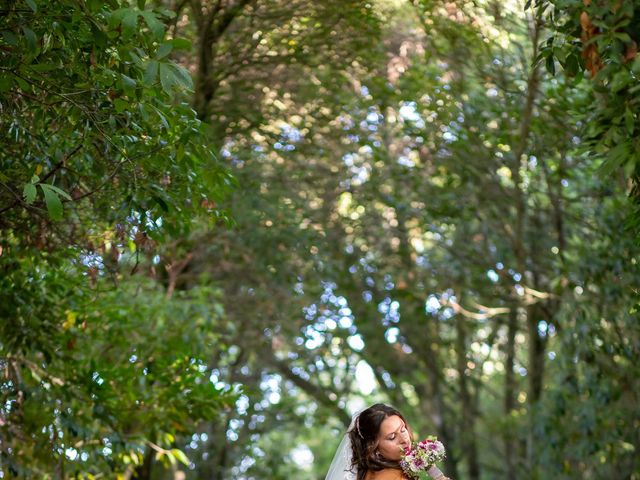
(393, 438)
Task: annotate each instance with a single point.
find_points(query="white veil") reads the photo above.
(339, 469)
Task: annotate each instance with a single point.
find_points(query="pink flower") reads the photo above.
(424, 454)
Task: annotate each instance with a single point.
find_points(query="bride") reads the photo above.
(372, 447)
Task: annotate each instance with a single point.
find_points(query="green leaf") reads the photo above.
(32, 4)
(57, 190)
(29, 193)
(180, 456)
(551, 65)
(162, 203)
(128, 83)
(164, 50)
(163, 120)
(143, 112)
(116, 17)
(572, 65)
(183, 77)
(620, 81)
(129, 23)
(31, 38)
(623, 36)
(629, 121)
(630, 166)
(155, 25)
(10, 38)
(167, 77)
(181, 44)
(54, 205)
(151, 72)
(617, 156)
(578, 78)
(136, 59)
(121, 105)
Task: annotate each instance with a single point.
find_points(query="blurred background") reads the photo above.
(227, 225)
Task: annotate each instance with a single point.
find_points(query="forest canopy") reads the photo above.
(228, 225)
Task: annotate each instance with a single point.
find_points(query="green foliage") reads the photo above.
(86, 96)
(588, 420)
(418, 222)
(88, 388)
(397, 225)
(601, 39)
(102, 161)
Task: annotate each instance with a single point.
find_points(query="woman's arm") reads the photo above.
(436, 474)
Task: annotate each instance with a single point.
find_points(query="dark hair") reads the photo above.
(364, 440)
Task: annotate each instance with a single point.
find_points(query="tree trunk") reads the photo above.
(519, 242)
(427, 348)
(509, 394)
(204, 86)
(211, 26)
(468, 434)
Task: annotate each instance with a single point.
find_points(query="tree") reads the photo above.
(428, 225)
(417, 221)
(100, 166)
(599, 41)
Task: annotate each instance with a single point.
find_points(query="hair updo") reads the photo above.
(364, 440)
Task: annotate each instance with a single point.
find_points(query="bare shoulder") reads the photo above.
(386, 474)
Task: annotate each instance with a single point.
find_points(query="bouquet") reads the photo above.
(419, 461)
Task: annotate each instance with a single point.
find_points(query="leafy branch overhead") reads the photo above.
(600, 39)
(52, 195)
(100, 83)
